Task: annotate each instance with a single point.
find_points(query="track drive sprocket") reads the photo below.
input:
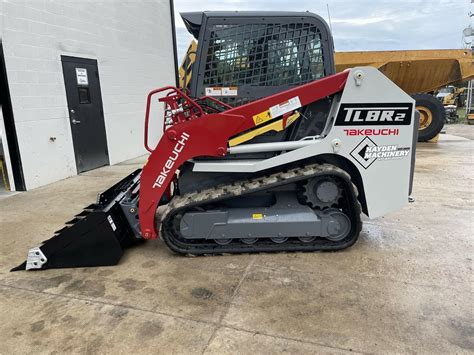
(321, 192)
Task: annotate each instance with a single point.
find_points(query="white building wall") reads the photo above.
(132, 42)
(1, 19)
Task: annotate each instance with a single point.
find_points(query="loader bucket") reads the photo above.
(95, 237)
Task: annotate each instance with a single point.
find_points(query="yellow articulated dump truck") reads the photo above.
(419, 73)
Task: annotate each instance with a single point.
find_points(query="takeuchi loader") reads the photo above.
(267, 150)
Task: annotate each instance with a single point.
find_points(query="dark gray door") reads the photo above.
(86, 114)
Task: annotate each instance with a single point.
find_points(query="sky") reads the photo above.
(360, 24)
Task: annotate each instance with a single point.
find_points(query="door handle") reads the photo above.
(73, 117)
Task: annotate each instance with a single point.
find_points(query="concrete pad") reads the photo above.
(149, 277)
(451, 138)
(50, 324)
(353, 312)
(121, 169)
(406, 286)
(459, 130)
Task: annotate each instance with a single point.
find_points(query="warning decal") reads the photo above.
(222, 91)
(230, 91)
(285, 107)
(217, 91)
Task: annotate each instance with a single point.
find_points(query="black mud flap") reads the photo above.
(95, 237)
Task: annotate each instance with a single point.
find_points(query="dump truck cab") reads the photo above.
(450, 95)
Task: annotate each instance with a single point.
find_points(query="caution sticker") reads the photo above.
(222, 91)
(262, 117)
(230, 91)
(285, 107)
(215, 91)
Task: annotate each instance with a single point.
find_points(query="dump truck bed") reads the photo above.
(414, 71)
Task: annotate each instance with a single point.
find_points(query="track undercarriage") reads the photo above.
(280, 214)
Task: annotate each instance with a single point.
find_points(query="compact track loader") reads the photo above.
(266, 150)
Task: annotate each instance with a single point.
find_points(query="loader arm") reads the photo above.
(197, 135)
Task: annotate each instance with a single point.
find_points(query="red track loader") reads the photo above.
(266, 150)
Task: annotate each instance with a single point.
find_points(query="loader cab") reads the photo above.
(243, 56)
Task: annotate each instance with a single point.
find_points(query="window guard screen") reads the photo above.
(263, 55)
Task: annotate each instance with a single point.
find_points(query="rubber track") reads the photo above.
(179, 204)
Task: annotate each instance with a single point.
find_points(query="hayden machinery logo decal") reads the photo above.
(366, 152)
(178, 148)
(387, 114)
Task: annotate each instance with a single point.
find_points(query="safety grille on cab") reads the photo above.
(263, 55)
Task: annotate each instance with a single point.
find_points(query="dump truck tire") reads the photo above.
(432, 116)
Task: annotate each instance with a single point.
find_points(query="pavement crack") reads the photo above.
(231, 301)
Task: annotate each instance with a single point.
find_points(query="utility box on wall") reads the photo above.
(78, 73)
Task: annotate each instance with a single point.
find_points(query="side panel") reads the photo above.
(386, 177)
(374, 130)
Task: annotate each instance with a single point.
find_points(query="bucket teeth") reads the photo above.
(83, 214)
(77, 218)
(72, 221)
(61, 230)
